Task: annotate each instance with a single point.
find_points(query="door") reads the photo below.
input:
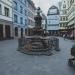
(1, 32)
(7, 31)
(16, 31)
(21, 32)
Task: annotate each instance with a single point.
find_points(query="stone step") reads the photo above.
(47, 53)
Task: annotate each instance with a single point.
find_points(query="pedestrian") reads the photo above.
(64, 36)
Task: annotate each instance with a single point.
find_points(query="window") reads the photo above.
(25, 2)
(6, 11)
(21, 20)
(0, 9)
(64, 24)
(29, 22)
(61, 25)
(53, 11)
(71, 2)
(64, 12)
(25, 12)
(15, 18)
(25, 22)
(21, 9)
(63, 18)
(15, 5)
(66, 18)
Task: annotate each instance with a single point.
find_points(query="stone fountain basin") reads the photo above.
(37, 45)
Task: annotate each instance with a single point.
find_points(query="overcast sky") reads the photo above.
(45, 4)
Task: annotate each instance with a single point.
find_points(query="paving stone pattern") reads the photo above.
(12, 62)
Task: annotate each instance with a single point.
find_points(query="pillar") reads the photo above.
(11, 32)
(19, 32)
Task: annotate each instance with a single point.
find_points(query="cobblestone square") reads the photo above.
(13, 62)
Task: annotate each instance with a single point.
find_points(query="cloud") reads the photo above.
(45, 4)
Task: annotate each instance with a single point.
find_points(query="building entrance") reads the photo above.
(1, 32)
(7, 31)
(16, 31)
(21, 32)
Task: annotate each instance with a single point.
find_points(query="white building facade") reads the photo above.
(71, 18)
(6, 29)
(67, 18)
(63, 17)
(53, 20)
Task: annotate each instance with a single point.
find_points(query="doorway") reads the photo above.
(1, 32)
(7, 31)
(21, 32)
(16, 31)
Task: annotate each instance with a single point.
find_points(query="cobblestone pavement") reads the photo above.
(13, 62)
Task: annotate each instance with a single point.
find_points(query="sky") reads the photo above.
(45, 4)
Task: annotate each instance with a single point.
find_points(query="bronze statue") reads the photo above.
(38, 19)
(38, 30)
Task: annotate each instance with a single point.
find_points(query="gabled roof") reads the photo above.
(53, 7)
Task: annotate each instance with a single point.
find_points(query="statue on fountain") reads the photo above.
(38, 19)
(38, 30)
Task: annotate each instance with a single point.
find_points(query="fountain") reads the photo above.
(36, 43)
